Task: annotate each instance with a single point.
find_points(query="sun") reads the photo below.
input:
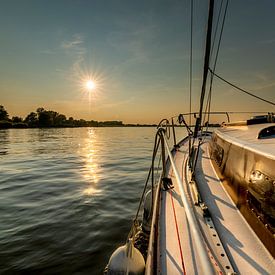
(90, 85)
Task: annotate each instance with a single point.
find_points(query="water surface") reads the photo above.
(67, 196)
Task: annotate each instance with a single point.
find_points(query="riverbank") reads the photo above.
(22, 125)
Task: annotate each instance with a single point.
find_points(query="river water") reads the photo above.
(67, 196)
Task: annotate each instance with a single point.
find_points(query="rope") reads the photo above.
(240, 89)
(178, 235)
(166, 127)
(151, 172)
(143, 193)
(135, 223)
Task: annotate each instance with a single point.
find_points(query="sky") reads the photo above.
(136, 52)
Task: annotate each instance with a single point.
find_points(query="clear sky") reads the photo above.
(137, 52)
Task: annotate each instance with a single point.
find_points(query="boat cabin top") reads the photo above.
(256, 137)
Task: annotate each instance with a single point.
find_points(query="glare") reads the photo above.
(90, 85)
(90, 81)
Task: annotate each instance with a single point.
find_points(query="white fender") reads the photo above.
(126, 260)
(147, 212)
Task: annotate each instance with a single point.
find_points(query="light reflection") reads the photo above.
(91, 169)
(90, 191)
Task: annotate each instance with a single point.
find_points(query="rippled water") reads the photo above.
(67, 196)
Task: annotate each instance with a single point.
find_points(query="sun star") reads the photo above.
(90, 85)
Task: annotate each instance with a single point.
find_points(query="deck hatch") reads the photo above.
(268, 132)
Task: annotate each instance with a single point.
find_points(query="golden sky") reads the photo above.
(136, 52)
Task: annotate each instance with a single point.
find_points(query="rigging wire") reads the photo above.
(208, 105)
(191, 61)
(207, 108)
(206, 65)
(190, 70)
(220, 38)
(240, 89)
(216, 29)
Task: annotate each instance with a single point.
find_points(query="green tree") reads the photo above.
(31, 119)
(16, 119)
(3, 113)
(59, 120)
(40, 110)
(45, 119)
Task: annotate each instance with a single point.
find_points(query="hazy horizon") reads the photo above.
(137, 53)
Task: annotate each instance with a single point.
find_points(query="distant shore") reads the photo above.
(10, 125)
(43, 118)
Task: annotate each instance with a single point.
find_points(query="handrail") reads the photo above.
(198, 238)
(219, 113)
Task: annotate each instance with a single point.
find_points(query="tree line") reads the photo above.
(46, 118)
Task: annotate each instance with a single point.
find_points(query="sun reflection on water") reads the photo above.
(91, 170)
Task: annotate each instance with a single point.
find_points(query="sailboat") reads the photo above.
(212, 209)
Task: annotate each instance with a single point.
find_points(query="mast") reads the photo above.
(206, 64)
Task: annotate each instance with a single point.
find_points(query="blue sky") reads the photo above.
(137, 52)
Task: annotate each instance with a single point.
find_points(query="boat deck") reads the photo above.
(177, 250)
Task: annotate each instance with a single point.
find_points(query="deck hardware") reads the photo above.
(167, 184)
(204, 209)
(223, 259)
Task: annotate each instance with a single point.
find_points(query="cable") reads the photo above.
(206, 65)
(216, 29)
(240, 89)
(208, 105)
(191, 61)
(220, 38)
